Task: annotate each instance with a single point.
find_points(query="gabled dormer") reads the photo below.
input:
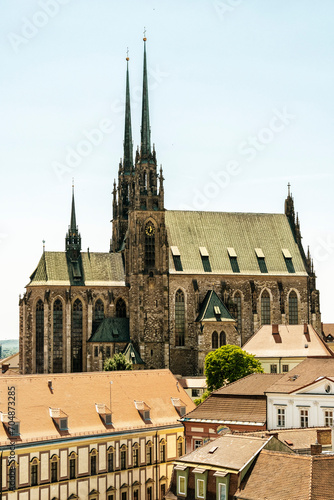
(144, 410)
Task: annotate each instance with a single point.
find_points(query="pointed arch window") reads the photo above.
(76, 336)
(39, 337)
(149, 245)
(222, 339)
(214, 341)
(237, 300)
(265, 308)
(98, 314)
(120, 309)
(293, 308)
(179, 318)
(57, 336)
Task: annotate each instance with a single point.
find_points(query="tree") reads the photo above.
(117, 362)
(227, 364)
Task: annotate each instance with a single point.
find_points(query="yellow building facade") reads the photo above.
(108, 436)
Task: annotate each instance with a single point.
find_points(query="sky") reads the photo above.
(241, 103)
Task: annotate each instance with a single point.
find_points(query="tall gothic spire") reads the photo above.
(145, 118)
(128, 146)
(73, 238)
(73, 224)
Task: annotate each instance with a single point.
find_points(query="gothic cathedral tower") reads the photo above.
(139, 231)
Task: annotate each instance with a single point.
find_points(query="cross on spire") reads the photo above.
(289, 185)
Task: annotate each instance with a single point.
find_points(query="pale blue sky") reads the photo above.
(222, 73)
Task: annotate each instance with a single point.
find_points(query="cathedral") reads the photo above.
(173, 286)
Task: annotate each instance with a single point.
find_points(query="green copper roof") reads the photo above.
(99, 269)
(132, 355)
(213, 309)
(242, 233)
(112, 330)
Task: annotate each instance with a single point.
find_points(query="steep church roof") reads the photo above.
(112, 330)
(232, 243)
(213, 309)
(99, 269)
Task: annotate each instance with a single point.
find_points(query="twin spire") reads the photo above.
(145, 140)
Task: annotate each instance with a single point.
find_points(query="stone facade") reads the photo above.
(162, 264)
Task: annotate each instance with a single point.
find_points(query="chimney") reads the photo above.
(324, 436)
(316, 449)
(275, 329)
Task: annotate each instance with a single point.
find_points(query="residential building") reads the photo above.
(94, 436)
(194, 386)
(217, 469)
(239, 406)
(303, 397)
(177, 284)
(282, 476)
(279, 348)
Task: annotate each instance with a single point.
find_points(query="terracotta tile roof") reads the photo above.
(280, 476)
(99, 269)
(218, 231)
(328, 329)
(289, 342)
(233, 452)
(307, 372)
(77, 394)
(299, 439)
(230, 409)
(252, 385)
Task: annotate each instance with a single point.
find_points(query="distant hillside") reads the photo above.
(9, 347)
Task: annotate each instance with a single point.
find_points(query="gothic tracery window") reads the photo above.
(237, 300)
(120, 309)
(76, 336)
(57, 336)
(179, 318)
(293, 308)
(98, 314)
(215, 340)
(222, 339)
(149, 245)
(39, 337)
(265, 308)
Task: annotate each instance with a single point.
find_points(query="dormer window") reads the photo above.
(205, 259)
(261, 260)
(12, 425)
(60, 418)
(180, 406)
(176, 258)
(144, 410)
(104, 412)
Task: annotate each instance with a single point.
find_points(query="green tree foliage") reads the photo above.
(117, 362)
(227, 364)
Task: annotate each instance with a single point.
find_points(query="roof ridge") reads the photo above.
(311, 478)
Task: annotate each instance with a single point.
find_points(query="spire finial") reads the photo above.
(289, 185)
(144, 34)
(43, 246)
(127, 54)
